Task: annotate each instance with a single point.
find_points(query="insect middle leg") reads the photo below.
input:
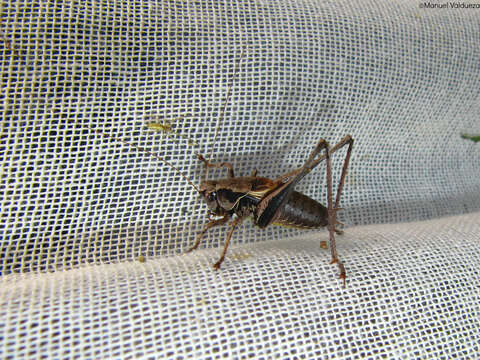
(235, 222)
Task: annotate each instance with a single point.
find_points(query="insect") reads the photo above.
(275, 201)
(167, 126)
(267, 201)
(474, 138)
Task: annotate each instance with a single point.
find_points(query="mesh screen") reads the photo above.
(79, 210)
(412, 292)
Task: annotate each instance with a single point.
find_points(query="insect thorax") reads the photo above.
(239, 203)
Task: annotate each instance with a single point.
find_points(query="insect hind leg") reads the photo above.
(332, 213)
(314, 162)
(346, 140)
(309, 165)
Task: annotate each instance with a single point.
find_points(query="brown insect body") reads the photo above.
(303, 212)
(275, 201)
(268, 201)
(242, 195)
(235, 195)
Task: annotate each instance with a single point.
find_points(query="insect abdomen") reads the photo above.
(301, 211)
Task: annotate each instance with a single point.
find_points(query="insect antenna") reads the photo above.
(152, 154)
(224, 107)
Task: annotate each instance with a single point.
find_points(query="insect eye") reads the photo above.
(212, 196)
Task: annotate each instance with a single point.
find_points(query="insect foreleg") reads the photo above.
(209, 225)
(234, 224)
(208, 164)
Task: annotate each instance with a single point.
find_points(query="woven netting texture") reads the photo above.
(93, 231)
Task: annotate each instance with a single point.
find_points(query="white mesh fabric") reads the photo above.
(402, 80)
(275, 299)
